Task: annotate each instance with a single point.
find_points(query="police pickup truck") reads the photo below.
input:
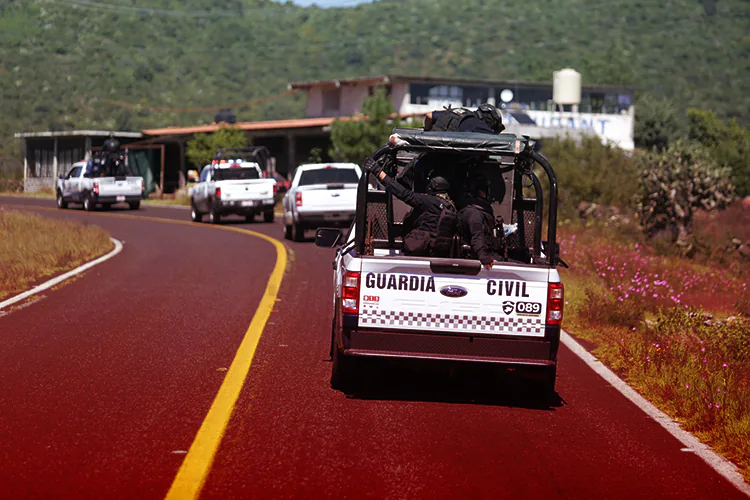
(391, 305)
(93, 183)
(233, 184)
(321, 194)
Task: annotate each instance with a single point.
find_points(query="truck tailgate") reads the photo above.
(111, 186)
(258, 189)
(328, 198)
(420, 296)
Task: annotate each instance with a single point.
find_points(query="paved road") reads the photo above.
(104, 381)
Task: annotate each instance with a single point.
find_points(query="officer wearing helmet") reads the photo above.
(486, 119)
(429, 228)
(477, 219)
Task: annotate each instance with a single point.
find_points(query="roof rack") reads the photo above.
(258, 154)
(459, 142)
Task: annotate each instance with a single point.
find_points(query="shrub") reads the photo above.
(657, 123)
(675, 183)
(727, 141)
(592, 172)
(354, 140)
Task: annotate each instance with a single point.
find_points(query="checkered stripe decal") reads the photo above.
(463, 322)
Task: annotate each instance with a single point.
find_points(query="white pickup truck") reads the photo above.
(91, 187)
(389, 304)
(321, 194)
(232, 187)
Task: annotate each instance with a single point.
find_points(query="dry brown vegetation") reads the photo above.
(33, 247)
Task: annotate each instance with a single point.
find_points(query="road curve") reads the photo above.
(105, 378)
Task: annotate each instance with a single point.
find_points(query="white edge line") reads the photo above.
(718, 463)
(54, 281)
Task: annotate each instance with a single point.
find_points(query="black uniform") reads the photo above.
(466, 123)
(477, 221)
(421, 225)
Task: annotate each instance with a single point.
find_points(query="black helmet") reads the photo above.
(111, 145)
(478, 183)
(492, 116)
(438, 185)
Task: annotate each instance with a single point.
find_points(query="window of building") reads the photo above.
(425, 93)
(331, 100)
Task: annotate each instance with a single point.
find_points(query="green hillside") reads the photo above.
(60, 60)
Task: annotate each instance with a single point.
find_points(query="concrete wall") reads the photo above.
(36, 184)
(315, 102)
(351, 98)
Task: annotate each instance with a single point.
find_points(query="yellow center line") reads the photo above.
(197, 464)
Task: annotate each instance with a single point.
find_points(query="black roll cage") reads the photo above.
(259, 154)
(524, 157)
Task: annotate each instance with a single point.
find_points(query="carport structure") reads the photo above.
(48, 154)
(289, 142)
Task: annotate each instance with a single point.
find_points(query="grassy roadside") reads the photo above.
(676, 330)
(33, 247)
(22, 194)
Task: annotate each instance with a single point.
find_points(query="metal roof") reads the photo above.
(386, 79)
(267, 125)
(79, 133)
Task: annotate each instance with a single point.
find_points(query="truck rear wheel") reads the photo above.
(298, 231)
(135, 205)
(61, 203)
(214, 217)
(250, 218)
(268, 216)
(544, 383)
(195, 215)
(88, 203)
(342, 371)
(287, 231)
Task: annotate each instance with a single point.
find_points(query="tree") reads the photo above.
(657, 123)
(676, 182)
(358, 137)
(727, 141)
(201, 149)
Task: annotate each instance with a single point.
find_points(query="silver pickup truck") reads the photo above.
(94, 187)
(389, 304)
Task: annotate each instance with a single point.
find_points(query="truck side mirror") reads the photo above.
(327, 237)
(62, 177)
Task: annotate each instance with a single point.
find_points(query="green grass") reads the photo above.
(22, 194)
(33, 248)
(676, 330)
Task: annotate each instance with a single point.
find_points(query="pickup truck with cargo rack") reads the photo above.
(321, 194)
(91, 186)
(234, 184)
(391, 305)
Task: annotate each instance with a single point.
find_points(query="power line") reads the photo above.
(197, 110)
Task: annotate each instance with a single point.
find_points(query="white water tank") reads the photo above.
(566, 86)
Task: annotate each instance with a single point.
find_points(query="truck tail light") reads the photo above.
(275, 188)
(350, 292)
(218, 193)
(143, 187)
(555, 301)
(298, 199)
(96, 188)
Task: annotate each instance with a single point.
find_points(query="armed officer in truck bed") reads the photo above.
(477, 218)
(431, 225)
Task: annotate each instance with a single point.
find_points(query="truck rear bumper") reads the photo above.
(508, 351)
(337, 218)
(113, 199)
(237, 207)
